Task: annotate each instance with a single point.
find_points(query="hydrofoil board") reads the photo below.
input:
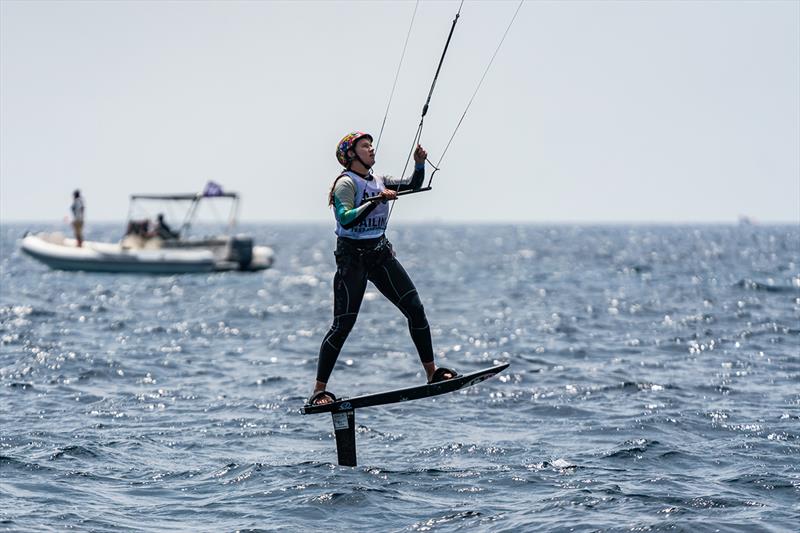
(343, 410)
(410, 393)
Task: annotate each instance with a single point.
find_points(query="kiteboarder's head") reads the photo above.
(356, 147)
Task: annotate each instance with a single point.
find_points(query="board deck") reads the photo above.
(404, 395)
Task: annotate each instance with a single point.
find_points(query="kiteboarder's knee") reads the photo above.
(342, 325)
(416, 312)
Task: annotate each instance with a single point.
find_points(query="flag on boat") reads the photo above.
(212, 188)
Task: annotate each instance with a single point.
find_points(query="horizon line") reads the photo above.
(736, 222)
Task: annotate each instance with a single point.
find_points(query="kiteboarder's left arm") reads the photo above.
(415, 180)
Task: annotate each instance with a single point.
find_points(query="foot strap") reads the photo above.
(319, 395)
(441, 375)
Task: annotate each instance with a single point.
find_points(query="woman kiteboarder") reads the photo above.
(363, 253)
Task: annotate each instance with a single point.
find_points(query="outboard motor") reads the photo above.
(242, 251)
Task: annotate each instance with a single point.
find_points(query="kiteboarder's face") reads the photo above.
(365, 152)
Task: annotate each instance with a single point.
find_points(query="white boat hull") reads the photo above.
(60, 253)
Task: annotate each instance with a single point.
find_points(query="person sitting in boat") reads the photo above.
(137, 227)
(364, 253)
(163, 230)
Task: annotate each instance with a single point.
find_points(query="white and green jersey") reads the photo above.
(358, 219)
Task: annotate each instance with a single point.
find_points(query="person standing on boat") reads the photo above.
(77, 216)
(363, 253)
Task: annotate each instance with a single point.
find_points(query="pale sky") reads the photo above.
(592, 111)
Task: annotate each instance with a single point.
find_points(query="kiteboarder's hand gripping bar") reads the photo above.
(389, 194)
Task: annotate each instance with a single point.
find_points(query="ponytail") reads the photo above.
(330, 193)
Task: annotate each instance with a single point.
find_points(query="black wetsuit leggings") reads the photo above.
(358, 262)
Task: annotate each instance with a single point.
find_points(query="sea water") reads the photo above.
(654, 385)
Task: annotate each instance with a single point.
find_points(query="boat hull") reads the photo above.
(61, 253)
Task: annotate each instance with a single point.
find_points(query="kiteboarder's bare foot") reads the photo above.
(320, 396)
(438, 374)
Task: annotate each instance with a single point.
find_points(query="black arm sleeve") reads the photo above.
(416, 181)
